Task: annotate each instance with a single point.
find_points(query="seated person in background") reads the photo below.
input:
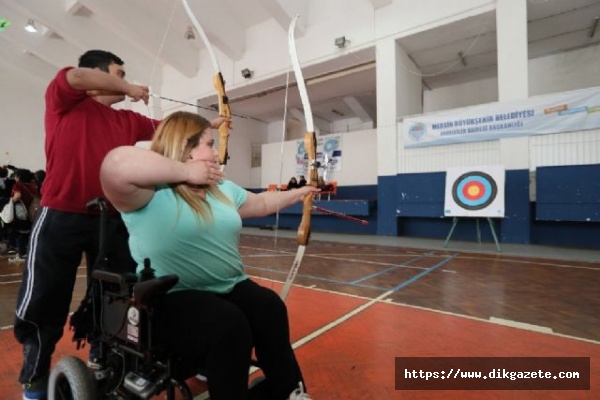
(301, 181)
(292, 184)
(23, 190)
(215, 314)
(39, 177)
(6, 236)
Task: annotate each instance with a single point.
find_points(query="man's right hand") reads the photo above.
(138, 92)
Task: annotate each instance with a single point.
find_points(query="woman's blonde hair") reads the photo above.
(175, 138)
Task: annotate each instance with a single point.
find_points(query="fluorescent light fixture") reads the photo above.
(30, 26)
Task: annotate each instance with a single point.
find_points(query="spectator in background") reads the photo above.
(39, 177)
(6, 185)
(292, 184)
(301, 181)
(24, 190)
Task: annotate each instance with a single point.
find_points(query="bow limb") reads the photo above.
(310, 145)
(219, 84)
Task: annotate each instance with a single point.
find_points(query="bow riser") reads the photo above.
(225, 112)
(310, 146)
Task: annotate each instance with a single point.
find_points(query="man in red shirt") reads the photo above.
(81, 128)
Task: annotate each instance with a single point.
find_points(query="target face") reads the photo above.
(474, 192)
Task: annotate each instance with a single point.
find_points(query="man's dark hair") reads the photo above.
(99, 59)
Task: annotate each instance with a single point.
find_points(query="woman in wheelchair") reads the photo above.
(186, 218)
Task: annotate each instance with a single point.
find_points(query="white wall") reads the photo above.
(21, 113)
(463, 95)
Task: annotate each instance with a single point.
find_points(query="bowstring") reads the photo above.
(281, 152)
(155, 63)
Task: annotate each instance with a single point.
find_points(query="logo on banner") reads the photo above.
(416, 131)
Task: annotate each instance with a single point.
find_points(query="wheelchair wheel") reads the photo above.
(71, 380)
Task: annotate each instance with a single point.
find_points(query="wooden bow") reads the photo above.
(219, 84)
(310, 146)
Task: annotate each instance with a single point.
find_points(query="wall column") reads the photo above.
(399, 94)
(513, 84)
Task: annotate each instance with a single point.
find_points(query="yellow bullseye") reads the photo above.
(473, 190)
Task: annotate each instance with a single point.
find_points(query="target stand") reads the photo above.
(491, 223)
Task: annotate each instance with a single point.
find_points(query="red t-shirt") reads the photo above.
(79, 133)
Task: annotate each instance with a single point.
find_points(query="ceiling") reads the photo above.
(450, 54)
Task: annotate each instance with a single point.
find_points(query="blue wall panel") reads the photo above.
(421, 195)
(387, 196)
(515, 226)
(568, 193)
(420, 208)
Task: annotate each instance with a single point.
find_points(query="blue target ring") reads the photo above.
(474, 190)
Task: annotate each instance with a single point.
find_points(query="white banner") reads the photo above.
(474, 192)
(329, 156)
(560, 112)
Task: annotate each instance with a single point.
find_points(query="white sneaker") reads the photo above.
(299, 394)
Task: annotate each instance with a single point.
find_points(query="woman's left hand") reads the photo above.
(306, 191)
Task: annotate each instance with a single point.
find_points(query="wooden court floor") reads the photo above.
(355, 307)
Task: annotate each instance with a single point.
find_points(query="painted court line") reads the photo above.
(363, 307)
(521, 325)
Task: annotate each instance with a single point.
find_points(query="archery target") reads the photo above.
(474, 192)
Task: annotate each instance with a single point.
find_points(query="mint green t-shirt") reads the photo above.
(203, 253)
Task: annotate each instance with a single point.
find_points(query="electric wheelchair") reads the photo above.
(118, 312)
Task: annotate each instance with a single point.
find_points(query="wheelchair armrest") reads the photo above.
(146, 292)
(114, 277)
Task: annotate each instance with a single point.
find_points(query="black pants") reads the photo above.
(56, 245)
(217, 332)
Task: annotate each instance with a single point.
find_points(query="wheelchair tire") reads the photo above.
(72, 380)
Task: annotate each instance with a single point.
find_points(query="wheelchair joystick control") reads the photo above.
(139, 385)
(147, 273)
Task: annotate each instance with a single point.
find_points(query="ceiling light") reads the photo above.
(30, 26)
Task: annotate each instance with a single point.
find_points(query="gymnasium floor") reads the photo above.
(361, 301)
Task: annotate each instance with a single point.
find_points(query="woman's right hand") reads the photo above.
(202, 172)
